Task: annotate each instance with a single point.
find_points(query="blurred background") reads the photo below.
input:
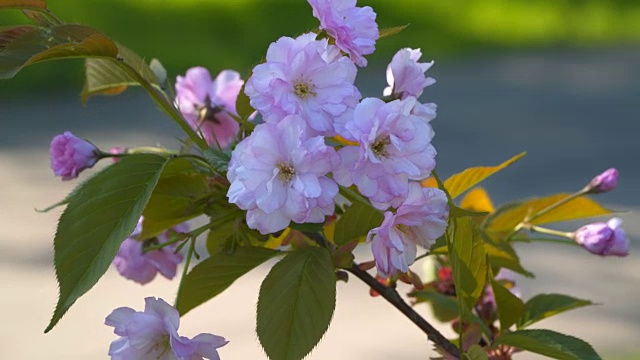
(557, 78)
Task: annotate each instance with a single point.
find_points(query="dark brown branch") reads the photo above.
(391, 295)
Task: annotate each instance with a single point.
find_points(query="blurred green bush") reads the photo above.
(235, 33)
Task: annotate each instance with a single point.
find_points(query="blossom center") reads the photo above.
(303, 89)
(287, 172)
(379, 147)
(161, 346)
(208, 112)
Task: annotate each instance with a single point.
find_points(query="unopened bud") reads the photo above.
(604, 182)
(604, 239)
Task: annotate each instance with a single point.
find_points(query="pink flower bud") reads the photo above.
(604, 239)
(70, 155)
(604, 182)
(117, 151)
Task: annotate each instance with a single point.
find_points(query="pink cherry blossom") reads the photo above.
(305, 77)
(406, 76)
(135, 264)
(604, 239)
(207, 104)
(70, 155)
(353, 28)
(278, 174)
(419, 220)
(395, 147)
(153, 334)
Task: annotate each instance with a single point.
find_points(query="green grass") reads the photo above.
(236, 33)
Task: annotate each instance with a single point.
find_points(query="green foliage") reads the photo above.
(461, 182)
(216, 273)
(475, 352)
(180, 195)
(296, 303)
(502, 254)
(468, 261)
(218, 159)
(445, 308)
(356, 222)
(543, 306)
(510, 307)
(549, 343)
(508, 216)
(103, 212)
(307, 227)
(243, 105)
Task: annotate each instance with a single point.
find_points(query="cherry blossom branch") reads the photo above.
(391, 295)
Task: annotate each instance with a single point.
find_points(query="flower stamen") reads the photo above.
(379, 147)
(303, 89)
(287, 172)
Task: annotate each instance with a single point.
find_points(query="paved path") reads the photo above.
(576, 113)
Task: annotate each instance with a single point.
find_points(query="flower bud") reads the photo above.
(604, 182)
(604, 239)
(70, 155)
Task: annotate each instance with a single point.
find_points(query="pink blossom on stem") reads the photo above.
(135, 264)
(395, 147)
(70, 155)
(406, 76)
(419, 220)
(278, 174)
(305, 77)
(604, 239)
(207, 104)
(353, 28)
(604, 182)
(153, 334)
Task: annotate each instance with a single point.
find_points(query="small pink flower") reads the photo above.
(395, 147)
(279, 174)
(153, 334)
(406, 76)
(70, 155)
(419, 220)
(353, 28)
(604, 182)
(135, 264)
(207, 104)
(306, 77)
(604, 239)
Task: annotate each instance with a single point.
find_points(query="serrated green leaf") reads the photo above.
(107, 77)
(510, 307)
(468, 262)
(476, 352)
(549, 343)
(391, 31)
(180, 195)
(216, 273)
(506, 219)
(543, 306)
(57, 42)
(104, 212)
(356, 222)
(218, 159)
(296, 303)
(461, 182)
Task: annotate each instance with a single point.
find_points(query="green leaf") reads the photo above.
(218, 159)
(502, 254)
(216, 273)
(546, 305)
(468, 262)
(461, 182)
(507, 217)
(549, 343)
(243, 105)
(107, 77)
(219, 236)
(476, 352)
(391, 31)
(510, 307)
(23, 4)
(356, 222)
(56, 42)
(307, 227)
(458, 212)
(104, 212)
(445, 308)
(180, 195)
(296, 303)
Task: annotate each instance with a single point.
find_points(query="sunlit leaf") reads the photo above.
(510, 307)
(296, 303)
(215, 274)
(468, 261)
(477, 200)
(549, 343)
(356, 222)
(57, 42)
(506, 219)
(103, 213)
(543, 306)
(461, 182)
